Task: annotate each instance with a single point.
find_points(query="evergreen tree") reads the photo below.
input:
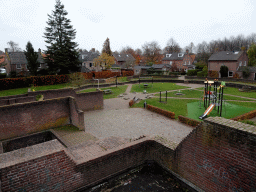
(106, 47)
(31, 57)
(61, 53)
(252, 55)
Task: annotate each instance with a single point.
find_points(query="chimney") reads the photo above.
(39, 50)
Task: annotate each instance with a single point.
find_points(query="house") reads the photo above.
(233, 60)
(124, 60)
(252, 71)
(141, 70)
(16, 61)
(86, 58)
(174, 59)
(189, 61)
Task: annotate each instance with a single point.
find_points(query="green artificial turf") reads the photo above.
(115, 91)
(156, 87)
(178, 106)
(229, 110)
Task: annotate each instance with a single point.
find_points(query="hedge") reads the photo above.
(188, 121)
(245, 116)
(192, 72)
(161, 111)
(201, 74)
(22, 82)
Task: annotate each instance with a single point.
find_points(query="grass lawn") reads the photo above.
(115, 91)
(187, 94)
(157, 87)
(235, 91)
(178, 106)
(69, 128)
(39, 88)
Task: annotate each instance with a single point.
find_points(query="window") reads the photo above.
(164, 69)
(127, 55)
(244, 63)
(185, 63)
(82, 56)
(168, 55)
(230, 73)
(240, 63)
(180, 55)
(90, 64)
(39, 65)
(189, 62)
(170, 62)
(18, 66)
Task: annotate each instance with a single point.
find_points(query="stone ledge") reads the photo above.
(29, 153)
(232, 124)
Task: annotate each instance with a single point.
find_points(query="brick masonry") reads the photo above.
(219, 155)
(25, 118)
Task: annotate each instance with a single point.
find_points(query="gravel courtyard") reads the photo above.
(118, 120)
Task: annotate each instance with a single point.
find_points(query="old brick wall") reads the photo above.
(76, 115)
(46, 168)
(21, 119)
(89, 101)
(219, 155)
(55, 93)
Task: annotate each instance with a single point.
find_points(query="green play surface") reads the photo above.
(228, 110)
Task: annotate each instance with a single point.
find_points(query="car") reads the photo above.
(2, 70)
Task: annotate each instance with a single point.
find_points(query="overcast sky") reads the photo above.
(132, 22)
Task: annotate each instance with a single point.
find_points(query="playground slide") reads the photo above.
(207, 111)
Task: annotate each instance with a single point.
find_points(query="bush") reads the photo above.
(2, 75)
(174, 73)
(236, 76)
(131, 103)
(246, 72)
(188, 121)
(192, 72)
(161, 111)
(224, 71)
(203, 73)
(13, 74)
(77, 79)
(43, 72)
(213, 74)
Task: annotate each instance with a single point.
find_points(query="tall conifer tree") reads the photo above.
(61, 53)
(106, 47)
(31, 57)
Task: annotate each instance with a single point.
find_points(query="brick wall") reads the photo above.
(219, 155)
(46, 168)
(85, 101)
(21, 119)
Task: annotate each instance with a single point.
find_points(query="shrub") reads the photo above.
(131, 103)
(224, 71)
(161, 111)
(246, 72)
(188, 121)
(77, 79)
(2, 75)
(245, 116)
(13, 74)
(192, 72)
(213, 74)
(236, 76)
(43, 72)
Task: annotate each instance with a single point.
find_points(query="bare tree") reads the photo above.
(172, 46)
(151, 52)
(14, 47)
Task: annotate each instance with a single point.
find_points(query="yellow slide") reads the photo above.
(207, 111)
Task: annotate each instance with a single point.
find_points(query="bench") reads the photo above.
(145, 85)
(107, 91)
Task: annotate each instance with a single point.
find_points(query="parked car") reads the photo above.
(2, 70)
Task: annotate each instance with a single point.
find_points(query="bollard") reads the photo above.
(145, 105)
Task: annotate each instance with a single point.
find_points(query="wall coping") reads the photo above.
(232, 124)
(29, 153)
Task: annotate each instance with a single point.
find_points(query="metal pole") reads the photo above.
(221, 101)
(160, 96)
(204, 94)
(209, 102)
(166, 96)
(139, 79)
(116, 81)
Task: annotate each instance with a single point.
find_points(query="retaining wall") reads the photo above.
(21, 119)
(219, 155)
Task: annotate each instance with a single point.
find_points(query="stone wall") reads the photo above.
(25, 118)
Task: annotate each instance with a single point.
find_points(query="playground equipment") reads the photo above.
(212, 99)
(161, 97)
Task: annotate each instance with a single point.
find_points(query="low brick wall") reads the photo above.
(161, 111)
(219, 155)
(188, 121)
(21, 119)
(90, 101)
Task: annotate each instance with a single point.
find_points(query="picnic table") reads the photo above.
(107, 91)
(145, 85)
